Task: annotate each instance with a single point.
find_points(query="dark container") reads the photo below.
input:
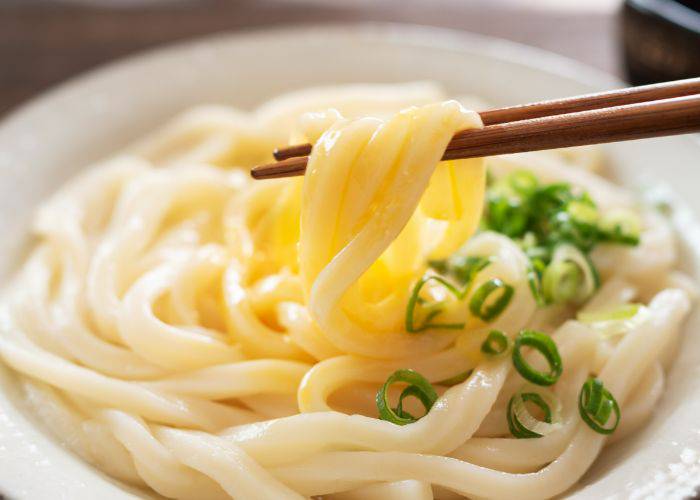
(660, 40)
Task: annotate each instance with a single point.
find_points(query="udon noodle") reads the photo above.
(202, 335)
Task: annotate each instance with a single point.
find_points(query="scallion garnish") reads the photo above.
(561, 282)
(534, 281)
(418, 387)
(506, 215)
(570, 276)
(462, 268)
(545, 346)
(488, 310)
(496, 343)
(621, 226)
(523, 182)
(621, 312)
(542, 217)
(596, 404)
(459, 267)
(583, 212)
(432, 310)
(522, 424)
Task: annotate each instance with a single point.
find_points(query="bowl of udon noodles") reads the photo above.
(385, 326)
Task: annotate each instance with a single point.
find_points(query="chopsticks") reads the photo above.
(624, 114)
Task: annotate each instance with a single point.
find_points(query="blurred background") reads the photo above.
(43, 42)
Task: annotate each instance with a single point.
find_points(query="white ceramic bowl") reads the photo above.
(50, 139)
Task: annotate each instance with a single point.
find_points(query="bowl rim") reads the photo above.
(404, 35)
(407, 33)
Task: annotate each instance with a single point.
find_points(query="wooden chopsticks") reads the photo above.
(632, 113)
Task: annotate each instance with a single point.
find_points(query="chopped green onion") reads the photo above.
(410, 391)
(489, 312)
(615, 321)
(550, 199)
(561, 282)
(506, 215)
(570, 277)
(545, 217)
(534, 281)
(621, 226)
(496, 343)
(418, 387)
(523, 182)
(442, 266)
(583, 212)
(546, 346)
(621, 312)
(539, 253)
(518, 205)
(596, 404)
(432, 311)
(463, 268)
(522, 424)
(563, 227)
(457, 379)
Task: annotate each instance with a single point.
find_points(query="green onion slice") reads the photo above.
(583, 212)
(546, 346)
(462, 268)
(562, 281)
(614, 321)
(432, 310)
(418, 387)
(570, 276)
(518, 205)
(496, 343)
(479, 304)
(523, 182)
(534, 281)
(596, 404)
(621, 226)
(522, 424)
(505, 215)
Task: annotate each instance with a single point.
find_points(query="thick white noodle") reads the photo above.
(192, 332)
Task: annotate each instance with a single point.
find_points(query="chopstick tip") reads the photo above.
(257, 172)
(285, 168)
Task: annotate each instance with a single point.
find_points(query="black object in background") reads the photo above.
(661, 40)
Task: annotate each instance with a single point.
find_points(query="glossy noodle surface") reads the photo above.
(202, 335)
